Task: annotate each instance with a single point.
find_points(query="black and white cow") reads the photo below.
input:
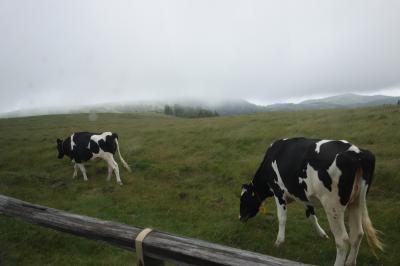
(81, 147)
(333, 172)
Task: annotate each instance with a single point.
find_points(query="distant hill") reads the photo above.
(351, 99)
(348, 100)
(227, 107)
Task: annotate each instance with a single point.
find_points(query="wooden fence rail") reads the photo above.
(157, 246)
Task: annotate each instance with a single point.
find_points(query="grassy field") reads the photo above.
(186, 179)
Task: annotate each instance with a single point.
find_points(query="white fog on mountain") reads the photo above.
(64, 54)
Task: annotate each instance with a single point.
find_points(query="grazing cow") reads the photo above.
(81, 147)
(333, 172)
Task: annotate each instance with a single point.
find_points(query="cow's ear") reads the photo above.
(59, 141)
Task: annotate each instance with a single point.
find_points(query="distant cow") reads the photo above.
(81, 147)
(335, 173)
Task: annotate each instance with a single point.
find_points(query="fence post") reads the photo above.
(143, 260)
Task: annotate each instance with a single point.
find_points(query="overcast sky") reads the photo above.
(67, 52)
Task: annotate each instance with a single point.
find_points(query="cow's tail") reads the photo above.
(368, 166)
(370, 232)
(119, 153)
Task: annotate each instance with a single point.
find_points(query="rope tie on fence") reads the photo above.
(139, 245)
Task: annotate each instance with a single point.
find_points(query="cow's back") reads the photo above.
(305, 166)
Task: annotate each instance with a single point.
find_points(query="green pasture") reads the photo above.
(186, 180)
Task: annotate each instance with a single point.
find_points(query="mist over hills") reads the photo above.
(226, 107)
(348, 100)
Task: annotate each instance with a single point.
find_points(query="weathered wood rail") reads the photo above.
(157, 246)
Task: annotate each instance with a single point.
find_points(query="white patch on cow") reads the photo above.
(72, 142)
(354, 148)
(315, 187)
(300, 180)
(243, 191)
(284, 139)
(281, 211)
(334, 171)
(96, 138)
(102, 136)
(280, 182)
(344, 141)
(321, 142)
(311, 183)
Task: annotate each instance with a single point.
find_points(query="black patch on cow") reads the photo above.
(66, 147)
(109, 144)
(310, 211)
(325, 179)
(261, 187)
(348, 164)
(368, 166)
(94, 147)
(80, 151)
(250, 202)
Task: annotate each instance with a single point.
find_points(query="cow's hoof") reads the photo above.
(120, 183)
(325, 236)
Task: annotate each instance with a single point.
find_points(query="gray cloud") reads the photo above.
(78, 52)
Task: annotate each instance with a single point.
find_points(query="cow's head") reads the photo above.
(60, 148)
(249, 202)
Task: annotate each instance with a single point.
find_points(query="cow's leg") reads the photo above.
(310, 213)
(75, 174)
(110, 170)
(83, 170)
(281, 211)
(116, 170)
(335, 213)
(114, 166)
(356, 231)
